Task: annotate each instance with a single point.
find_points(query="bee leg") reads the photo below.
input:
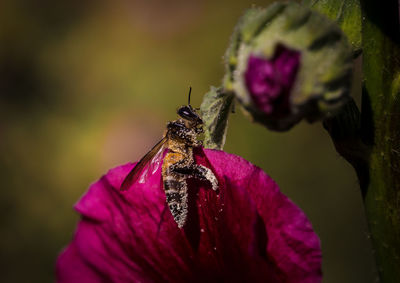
(199, 130)
(181, 168)
(199, 172)
(198, 143)
(203, 173)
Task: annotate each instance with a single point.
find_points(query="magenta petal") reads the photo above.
(248, 231)
(71, 267)
(292, 244)
(269, 81)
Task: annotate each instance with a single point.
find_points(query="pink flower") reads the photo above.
(270, 81)
(247, 232)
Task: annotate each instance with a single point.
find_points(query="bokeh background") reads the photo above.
(87, 85)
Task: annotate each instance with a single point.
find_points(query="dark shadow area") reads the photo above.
(262, 237)
(19, 81)
(385, 15)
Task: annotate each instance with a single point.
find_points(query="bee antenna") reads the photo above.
(190, 91)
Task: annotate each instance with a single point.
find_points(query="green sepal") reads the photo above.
(346, 13)
(249, 25)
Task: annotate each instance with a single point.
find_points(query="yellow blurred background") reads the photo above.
(88, 85)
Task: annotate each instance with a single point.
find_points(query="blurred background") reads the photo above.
(87, 85)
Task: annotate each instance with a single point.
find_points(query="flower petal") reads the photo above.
(292, 243)
(71, 267)
(269, 81)
(247, 231)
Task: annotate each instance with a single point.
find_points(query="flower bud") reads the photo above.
(286, 63)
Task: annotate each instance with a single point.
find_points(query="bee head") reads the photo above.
(189, 114)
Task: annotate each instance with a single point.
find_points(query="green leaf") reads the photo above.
(346, 13)
(215, 110)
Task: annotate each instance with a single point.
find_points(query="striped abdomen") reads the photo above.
(175, 187)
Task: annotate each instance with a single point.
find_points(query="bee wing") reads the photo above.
(141, 171)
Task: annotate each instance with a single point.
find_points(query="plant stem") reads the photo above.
(371, 141)
(380, 128)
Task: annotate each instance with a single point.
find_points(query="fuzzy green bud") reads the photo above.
(286, 63)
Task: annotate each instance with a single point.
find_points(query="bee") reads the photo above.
(180, 137)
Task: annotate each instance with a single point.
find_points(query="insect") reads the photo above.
(178, 165)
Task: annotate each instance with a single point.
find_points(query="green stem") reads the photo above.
(380, 125)
(371, 141)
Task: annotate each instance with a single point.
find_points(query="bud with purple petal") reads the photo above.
(286, 63)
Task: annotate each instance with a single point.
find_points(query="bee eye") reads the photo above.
(186, 113)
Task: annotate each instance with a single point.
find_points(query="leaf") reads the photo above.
(215, 110)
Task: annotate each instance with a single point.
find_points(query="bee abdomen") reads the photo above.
(171, 184)
(176, 194)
